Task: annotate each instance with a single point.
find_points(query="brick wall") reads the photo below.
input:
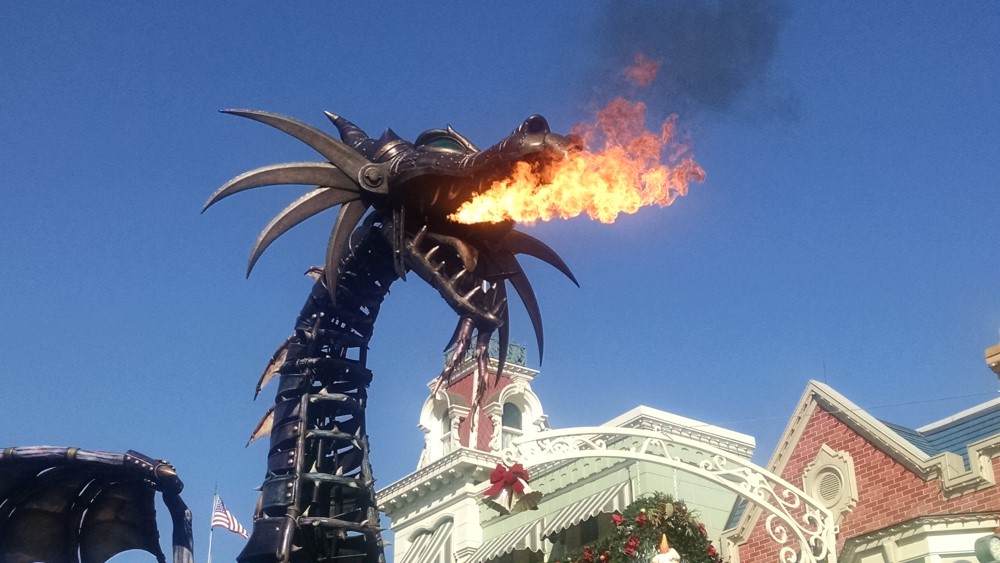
(463, 388)
(888, 493)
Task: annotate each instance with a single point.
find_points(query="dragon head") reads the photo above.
(410, 189)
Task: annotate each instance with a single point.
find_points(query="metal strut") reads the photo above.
(317, 501)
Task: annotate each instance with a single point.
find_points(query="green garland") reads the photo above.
(637, 532)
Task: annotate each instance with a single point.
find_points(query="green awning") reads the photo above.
(429, 547)
(526, 537)
(608, 500)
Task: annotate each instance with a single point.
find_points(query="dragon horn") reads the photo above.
(310, 204)
(343, 156)
(309, 173)
(350, 215)
(527, 295)
(522, 243)
(353, 135)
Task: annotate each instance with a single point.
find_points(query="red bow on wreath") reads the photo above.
(509, 490)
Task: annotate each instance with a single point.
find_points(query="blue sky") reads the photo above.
(846, 232)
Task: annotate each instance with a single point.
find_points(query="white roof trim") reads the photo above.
(959, 416)
(655, 419)
(457, 465)
(946, 467)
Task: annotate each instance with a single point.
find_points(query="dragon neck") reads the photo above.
(318, 499)
(365, 274)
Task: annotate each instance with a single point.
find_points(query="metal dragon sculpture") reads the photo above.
(318, 501)
(68, 505)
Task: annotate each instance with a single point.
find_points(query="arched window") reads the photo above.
(511, 416)
(446, 438)
(511, 423)
(431, 546)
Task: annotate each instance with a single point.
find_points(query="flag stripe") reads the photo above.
(223, 518)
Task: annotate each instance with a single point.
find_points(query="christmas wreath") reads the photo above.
(639, 529)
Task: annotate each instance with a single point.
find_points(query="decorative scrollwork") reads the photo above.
(787, 555)
(803, 528)
(819, 547)
(714, 463)
(511, 454)
(790, 498)
(495, 438)
(777, 531)
(651, 446)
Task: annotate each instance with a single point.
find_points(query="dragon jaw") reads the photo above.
(412, 188)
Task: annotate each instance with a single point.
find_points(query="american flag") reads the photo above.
(223, 518)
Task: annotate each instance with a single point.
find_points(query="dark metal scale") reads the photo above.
(68, 505)
(318, 500)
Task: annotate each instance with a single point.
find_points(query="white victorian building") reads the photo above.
(437, 513)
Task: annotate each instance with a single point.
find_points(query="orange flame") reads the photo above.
(642, 72)
(625, 175)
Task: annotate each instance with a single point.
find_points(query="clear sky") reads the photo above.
(847, 230)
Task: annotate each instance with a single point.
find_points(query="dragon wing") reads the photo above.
(79, 506)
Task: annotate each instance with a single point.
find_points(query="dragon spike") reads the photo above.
(263, 427)
(350, 215)
(503, 331)
(461, 340)
(309, 173)
(527, 295)
(388, 146)
(467, 252)
(465, 140)
(522, 243)
(346, 158)
(353, 135)
(497, 265)
(388, 136)
(462, 322)
(277, 359)
(310, 204)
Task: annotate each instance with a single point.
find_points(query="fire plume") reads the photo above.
(634, 168)
(642, 72)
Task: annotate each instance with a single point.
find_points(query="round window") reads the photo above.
(829, 486)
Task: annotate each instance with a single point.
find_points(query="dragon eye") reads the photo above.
(441, 140)
(446, 144)
(535, 124)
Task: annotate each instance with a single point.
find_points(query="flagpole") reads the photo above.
(211, 529)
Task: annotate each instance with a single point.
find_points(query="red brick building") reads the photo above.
(899, 495)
